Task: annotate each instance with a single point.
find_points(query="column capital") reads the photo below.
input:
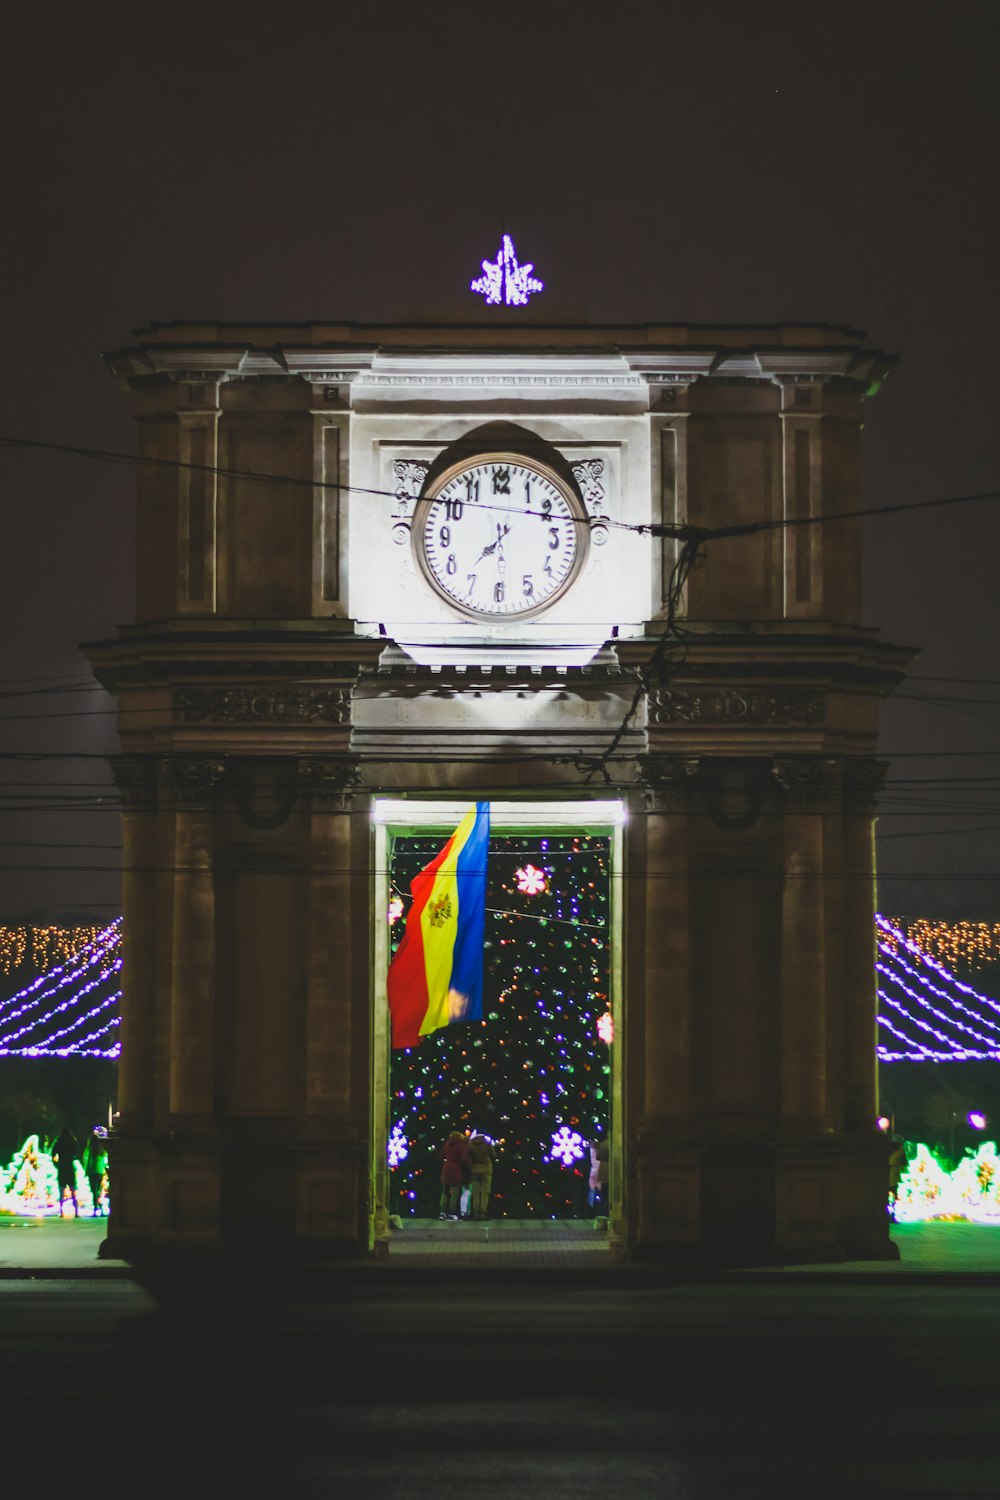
(328, 783)
(135, 777)
(189, 784)
(806, 782)
(863, 781)
(669, 782)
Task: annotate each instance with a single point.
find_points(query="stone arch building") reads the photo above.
(301, 652)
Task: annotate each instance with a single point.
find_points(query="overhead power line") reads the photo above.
(682, 532)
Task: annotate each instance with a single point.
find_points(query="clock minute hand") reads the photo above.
(501, 560)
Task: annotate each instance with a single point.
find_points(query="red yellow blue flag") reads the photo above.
(436, 975)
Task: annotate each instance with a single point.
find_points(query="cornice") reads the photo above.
(570, 356)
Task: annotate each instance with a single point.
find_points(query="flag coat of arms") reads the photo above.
(436, 975)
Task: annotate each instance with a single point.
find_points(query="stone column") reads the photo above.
(807, 784)
(131, 1227)
(862, 781)
(192, 784)
(667, 1152)
(331, 937)
(864, 1174)
(805, 1152)
(136, 779)
(332, 1179)
(671, 783)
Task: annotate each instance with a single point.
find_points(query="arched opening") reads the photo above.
(540, 1075)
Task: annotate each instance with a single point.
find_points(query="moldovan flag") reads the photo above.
(436, 975)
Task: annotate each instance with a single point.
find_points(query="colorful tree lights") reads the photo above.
(29, 1185)
(928, 1190)
(535, 1066)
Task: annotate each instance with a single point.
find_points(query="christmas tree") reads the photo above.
(534, 1075)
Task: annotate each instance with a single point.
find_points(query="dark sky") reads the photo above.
(702, 162)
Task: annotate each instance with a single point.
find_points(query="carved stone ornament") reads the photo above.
(136, 780)
(264, 795)
(734, 797)
(330, 377)
(191, 784)
(589, 475)
(863, 780)
(728, 705)
(806, 781)
(669, 782)
(262, 705)
(408, 476)
(328, 783)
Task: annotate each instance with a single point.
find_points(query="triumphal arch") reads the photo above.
(589, 573)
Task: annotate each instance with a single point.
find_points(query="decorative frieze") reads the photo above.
(729, 705)
(271, 705)
(327, 377)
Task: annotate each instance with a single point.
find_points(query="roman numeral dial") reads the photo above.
(500, 537)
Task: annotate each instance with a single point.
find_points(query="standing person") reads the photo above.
(95, 1163)
(64, 1150)
(598, 1172)
(454, 1158)
(481, 1157)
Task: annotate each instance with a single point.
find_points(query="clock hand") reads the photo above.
(488, 551)
(501, 560)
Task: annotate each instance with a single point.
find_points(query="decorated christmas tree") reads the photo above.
(534, 1074)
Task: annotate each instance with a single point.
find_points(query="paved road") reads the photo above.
(374, 1388)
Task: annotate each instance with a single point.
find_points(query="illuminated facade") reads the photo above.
(386, 571)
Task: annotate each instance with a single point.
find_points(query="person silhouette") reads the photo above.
(64, 1152)
(95, 1162)
(454, 1160)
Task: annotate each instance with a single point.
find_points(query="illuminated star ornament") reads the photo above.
(531, 882)
(504, 280)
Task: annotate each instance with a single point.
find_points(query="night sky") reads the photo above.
(690, 162)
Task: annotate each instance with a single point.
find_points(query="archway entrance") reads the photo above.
(541, 1073)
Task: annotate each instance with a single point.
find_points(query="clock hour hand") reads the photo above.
(489, 551)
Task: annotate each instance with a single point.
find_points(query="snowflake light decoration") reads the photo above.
(567, 1146)
(397, 1148)
(531, 882)
(395, 909)
(504, 280)
(606, 1027)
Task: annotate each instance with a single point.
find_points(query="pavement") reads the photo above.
(508, 1361)
(939, 1251)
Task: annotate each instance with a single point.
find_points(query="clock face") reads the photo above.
(500, 537)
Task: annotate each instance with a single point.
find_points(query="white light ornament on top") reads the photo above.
(505, 281)
(500, 537)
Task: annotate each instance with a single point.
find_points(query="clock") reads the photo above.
(500, 537)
